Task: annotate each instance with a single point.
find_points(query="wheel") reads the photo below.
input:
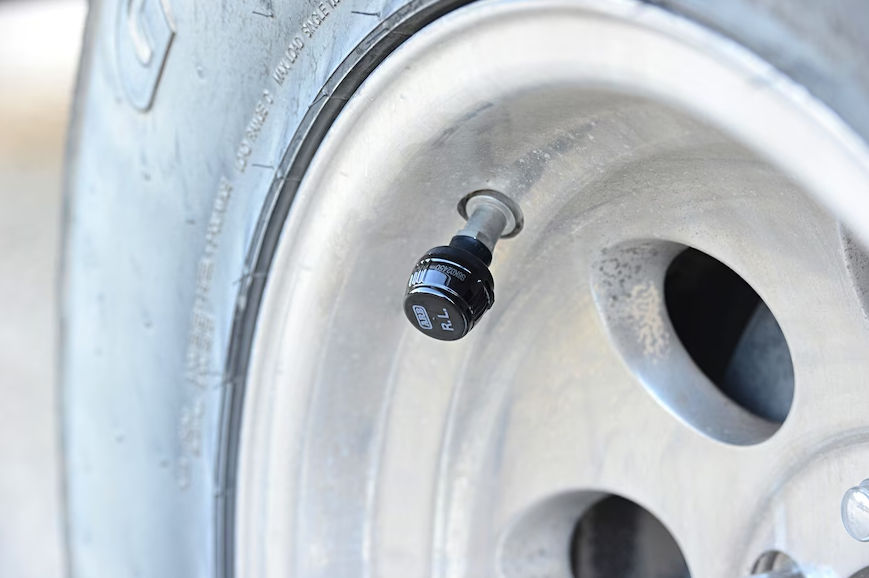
(670, 382)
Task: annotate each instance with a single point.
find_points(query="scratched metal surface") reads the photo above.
(390, 452)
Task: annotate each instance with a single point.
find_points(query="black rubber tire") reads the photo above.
(168, 238)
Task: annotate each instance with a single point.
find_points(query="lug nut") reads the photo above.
(451, 286)
(855, 511)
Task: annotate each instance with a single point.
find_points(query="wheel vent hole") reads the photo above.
(730, 333)
(617, 537)
(774, 563)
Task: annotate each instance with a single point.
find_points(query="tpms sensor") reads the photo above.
(451, 286)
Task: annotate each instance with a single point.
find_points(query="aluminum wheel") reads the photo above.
(628, 137)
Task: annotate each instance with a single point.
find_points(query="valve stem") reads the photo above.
(451, 286)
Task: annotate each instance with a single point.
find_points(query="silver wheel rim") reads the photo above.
(366, 449)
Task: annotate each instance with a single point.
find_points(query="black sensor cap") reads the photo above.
(450, 288)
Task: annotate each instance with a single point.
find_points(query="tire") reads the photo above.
(180, 175)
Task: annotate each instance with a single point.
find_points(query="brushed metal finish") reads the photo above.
(489, 219)
(369, 450)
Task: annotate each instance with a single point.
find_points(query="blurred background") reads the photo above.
(40, 42)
